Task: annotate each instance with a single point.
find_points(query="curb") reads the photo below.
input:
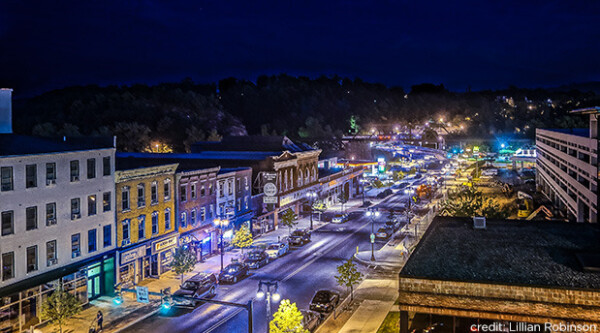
(137, 320)
(375, 263)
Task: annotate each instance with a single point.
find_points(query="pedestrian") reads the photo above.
(99, 319)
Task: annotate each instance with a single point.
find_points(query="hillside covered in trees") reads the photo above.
(173, 115)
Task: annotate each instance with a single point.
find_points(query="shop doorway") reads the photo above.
(94, 273)
(154, 266)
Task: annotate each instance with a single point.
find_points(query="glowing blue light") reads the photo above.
(166, 306)
(118, 300)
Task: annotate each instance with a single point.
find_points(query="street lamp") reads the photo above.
(221, 223)
(373, 213)
(410, 192)
(269, 294)
(311, 197)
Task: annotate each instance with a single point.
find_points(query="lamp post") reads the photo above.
(362, 182)
(221, 223)
(311, 198)
(410, 192)
(373, 213)
(270, 293)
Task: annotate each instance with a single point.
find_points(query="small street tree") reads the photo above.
(287, 319)
(60, 306)
(183, 262)
(348, 276)
(242, 238)
(288, 219)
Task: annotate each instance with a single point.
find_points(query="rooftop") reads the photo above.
(17, 145)
(251, 143)
(126, 161)
(507, 252)
(583, 132)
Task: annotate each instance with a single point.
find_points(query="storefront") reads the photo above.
(162, 254)
(22, 309)
(200, 241)
(147, 260)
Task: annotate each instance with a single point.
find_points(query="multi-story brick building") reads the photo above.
(145, 220)
(567, 168)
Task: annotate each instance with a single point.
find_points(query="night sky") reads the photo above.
(483, 44)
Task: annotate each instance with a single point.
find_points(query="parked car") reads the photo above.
(392, 225)
(200, 285)
(234, 272)
(276, 250)
(339, 218)
(299, 237)
(324, 301)
(383, 233)
(257, 259)
(310, 320)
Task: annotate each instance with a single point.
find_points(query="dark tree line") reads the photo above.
(178, 114)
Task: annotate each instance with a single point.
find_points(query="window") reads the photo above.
(246, 199)
(183, 220)
(141, 226)
(212, 211)
(32, 259)
(167, 190)
(193, 217)
(154, 193)
(106, 202)
(31, 218)
(51, 213)
(246, 182)
(30, 176)
(74, 171)
(210, 189)
(6, 175)
(154, 223)
(300, 178)
(8, 227)
(125, 198)
(167, 219)
(106, 166)
(91, 205)
(92, 241)
(8, 266)
(238, 183)
(91, 168)
(75, 209)
(141, 199)
(50, 173)
(193, 191)
(51, 253)
(230, 190)
(75, 245)
(220, 189)
(202, 191)
(107, 236)
(239, 204)
(182, 193)
(126, 226)
(203, 214)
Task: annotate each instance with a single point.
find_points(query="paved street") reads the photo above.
(301, 273)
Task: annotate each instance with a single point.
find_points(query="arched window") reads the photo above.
(307, 177)
(299, 177)
(314, 174)
(291, 179)
(285, 180)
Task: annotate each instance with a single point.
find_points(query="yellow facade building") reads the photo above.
(145, 217)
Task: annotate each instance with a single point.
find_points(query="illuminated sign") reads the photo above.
(165, 244)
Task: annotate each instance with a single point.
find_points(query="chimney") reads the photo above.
(5, 111)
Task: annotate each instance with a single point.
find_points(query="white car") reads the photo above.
(276, 250)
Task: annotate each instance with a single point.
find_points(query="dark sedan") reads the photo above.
(257, 259)
(299, 237)
(233, 273)
(324, 301)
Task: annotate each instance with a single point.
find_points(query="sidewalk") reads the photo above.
(119, 317)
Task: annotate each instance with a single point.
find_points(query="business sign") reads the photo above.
(131, 255)
(165, 244)
(270, 187)
(142, 294)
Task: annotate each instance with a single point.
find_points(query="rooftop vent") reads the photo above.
(479, 222)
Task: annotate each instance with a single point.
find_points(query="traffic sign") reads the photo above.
(142, 294)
